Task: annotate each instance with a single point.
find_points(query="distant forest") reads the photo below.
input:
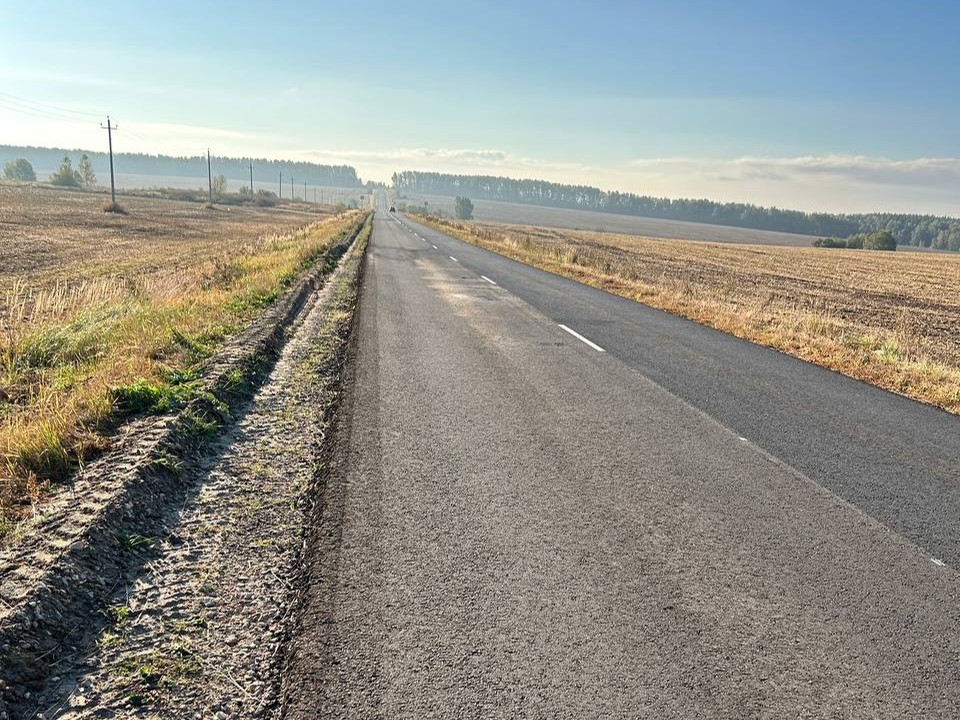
(942, 233)
(47, 159)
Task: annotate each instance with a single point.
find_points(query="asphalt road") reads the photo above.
(678, 524)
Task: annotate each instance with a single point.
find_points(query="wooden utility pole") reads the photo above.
(304, 190)
(281, 184)
(314, 196)
(291, 188)
(251, 178)
(113, 186)
(209, 179)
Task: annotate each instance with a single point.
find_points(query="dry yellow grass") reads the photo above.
(92, 302)
(891, 319)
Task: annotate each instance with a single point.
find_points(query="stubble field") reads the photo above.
(49, 236)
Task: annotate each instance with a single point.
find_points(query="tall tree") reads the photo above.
(462, 208)
(19, 170)
(65, 176)
(219, 186)
(88, 178)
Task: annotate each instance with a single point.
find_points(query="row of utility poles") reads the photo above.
(292, 194)
(113, 185)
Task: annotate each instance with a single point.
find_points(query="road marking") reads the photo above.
(453, 258)
(434, 247)
(938, 562)
(743, 439)
(580, 337)
(488, 279)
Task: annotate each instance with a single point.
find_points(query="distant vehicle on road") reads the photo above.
(392, 209)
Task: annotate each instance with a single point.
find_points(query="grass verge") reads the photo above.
(71, 369)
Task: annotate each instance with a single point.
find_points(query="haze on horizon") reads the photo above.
(832, 106)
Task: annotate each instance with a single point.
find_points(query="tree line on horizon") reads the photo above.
(930, 231)
(191, 167)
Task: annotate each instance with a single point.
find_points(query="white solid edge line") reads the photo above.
(453, 258)
(488, 279)
(580, 337)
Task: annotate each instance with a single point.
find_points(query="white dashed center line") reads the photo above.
(938, 562)
(581, 338)
(488, 279)
(453, 258)
(434, 247)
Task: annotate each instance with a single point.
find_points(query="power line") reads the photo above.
(33, 108)
(48, 106)
(126, 132)
(34, 112)
(135, 134)
(143, 138)
(29, 111)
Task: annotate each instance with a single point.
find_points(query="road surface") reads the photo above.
(549, 502)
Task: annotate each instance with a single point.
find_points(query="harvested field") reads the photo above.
(106, 315)
(50, 236)
(891, 319)
(494, 211)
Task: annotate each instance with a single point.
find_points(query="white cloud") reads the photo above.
(920, 172)
(381, 164)
(192, 132)
(441, 156)
(829, 183)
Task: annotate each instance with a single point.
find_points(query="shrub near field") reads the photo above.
(73, 354)
(891, 319)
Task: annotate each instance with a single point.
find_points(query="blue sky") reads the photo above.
(818, 105)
